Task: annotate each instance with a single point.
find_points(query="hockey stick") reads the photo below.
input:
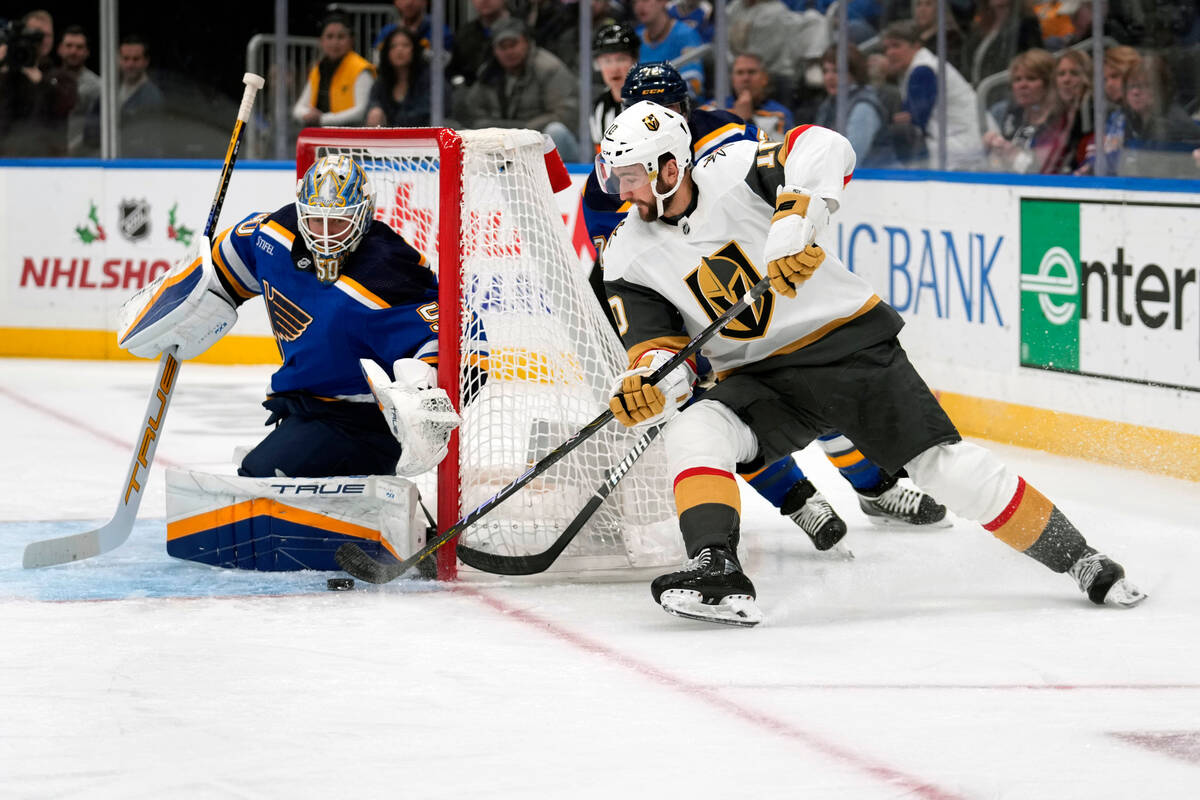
(534, 563)
(354, 560)
(113, 534)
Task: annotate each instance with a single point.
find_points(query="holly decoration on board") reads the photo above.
(87, 234)
(180, 233)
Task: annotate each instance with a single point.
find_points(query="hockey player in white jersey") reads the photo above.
(816, 353)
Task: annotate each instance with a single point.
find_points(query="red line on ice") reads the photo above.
(713, 698)
(124, 444)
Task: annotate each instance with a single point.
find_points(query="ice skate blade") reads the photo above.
(734, 609)
(1123, 594)
(895, 524)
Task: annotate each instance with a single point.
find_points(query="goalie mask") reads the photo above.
(638, 137)
(334, 206)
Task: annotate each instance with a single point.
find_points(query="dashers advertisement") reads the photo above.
(1094, 304)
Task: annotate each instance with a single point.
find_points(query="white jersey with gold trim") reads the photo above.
(704, 262)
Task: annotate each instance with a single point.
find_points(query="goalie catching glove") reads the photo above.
(791, 255)
(636, 402)
(416, 409)
(186, 308)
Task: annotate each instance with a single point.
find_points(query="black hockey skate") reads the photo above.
(899, 505)
(1103, 581)
(811, 511)
(714, 590)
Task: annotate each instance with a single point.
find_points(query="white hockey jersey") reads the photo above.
(668, 280)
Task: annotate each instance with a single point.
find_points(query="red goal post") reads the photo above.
(525, 350)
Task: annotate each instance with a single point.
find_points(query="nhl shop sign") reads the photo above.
(1110, 290)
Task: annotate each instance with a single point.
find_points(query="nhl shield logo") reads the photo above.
(651, 122)
(135, 219)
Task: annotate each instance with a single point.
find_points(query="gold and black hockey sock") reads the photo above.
(709, 506)
(1032, 524)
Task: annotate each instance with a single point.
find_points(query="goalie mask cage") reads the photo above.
(525, 350)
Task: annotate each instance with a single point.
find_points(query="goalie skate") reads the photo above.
(714, 590)
(900, 506)
(1103, 581)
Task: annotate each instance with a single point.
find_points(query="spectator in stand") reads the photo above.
(924, 13)
(141, 102)
(36, 97)
(400, 96)
(664, 38)
(786, 40)
(863, 16)
(1033, 132)
(609, 12)
(554, 25)
(1002, 28)
(1124, 21)
(915, 70)
(615, 50)
(83, 124)
(696, 14)
(524, 86)
(473, 40)
(414, 15)
(1159, 135)
(339, 85)
(868, 122)
(1119, 61)
(1073, 84)
(751, 98)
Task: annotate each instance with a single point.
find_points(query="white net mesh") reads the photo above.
(537, 357)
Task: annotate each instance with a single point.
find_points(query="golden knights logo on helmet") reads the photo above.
(651, 122)
(720, 281)
(334, 206)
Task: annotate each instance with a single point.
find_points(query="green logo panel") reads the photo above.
(1050, 284)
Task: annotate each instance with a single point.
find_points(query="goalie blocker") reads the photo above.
(285, 524)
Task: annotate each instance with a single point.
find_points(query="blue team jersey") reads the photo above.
(711, 128)
(383, 305)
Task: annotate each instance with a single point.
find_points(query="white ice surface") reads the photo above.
(934, 665)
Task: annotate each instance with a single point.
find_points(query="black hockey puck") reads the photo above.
(339, 584)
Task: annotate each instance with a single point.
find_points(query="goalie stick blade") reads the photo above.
(65, 549)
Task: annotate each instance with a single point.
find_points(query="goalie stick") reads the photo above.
(534, 563)
(354, 560)
(113, 534)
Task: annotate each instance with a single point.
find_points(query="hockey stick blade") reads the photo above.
(534, 563)
(113, 534)
(354, 560)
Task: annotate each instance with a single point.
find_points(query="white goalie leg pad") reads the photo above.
(228, 520)
(187, 307)
(708, 434)
(967, 478)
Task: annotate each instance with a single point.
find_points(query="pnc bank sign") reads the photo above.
(1111, 290)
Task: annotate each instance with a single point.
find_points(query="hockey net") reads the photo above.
(525, 348)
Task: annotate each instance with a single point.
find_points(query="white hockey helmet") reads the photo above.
(334, 189)
(639, 136)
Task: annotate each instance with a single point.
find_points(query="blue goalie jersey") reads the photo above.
(383, 305)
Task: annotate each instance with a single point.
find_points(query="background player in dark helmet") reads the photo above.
(783, 483)
(615, 52)
(817, 351)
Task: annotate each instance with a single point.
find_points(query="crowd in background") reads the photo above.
(1018, 91)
